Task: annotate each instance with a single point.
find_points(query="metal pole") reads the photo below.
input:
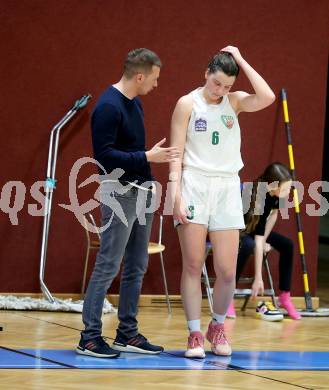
(50, 185)
(307, 294)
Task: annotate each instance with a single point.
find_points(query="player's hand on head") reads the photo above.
(234, 51)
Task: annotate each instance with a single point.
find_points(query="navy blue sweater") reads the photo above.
(118, 136)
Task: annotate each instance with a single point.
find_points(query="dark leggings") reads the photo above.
(280, 243)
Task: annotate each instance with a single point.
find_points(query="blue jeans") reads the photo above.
(119, 241)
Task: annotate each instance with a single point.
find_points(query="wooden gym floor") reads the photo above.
(39, 331)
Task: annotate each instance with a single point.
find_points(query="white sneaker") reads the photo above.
(195, 346)
(267, 312)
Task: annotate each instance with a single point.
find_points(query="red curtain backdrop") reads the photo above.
(52, 52)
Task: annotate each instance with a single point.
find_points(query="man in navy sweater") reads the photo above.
(118, 136)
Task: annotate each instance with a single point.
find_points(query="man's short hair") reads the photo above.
(140, 61)
(224, 62)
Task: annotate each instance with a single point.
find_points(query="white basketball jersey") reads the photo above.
(213, 138)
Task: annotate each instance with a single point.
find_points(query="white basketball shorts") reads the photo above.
(214, 201)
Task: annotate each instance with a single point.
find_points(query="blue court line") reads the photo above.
(169, 360)
(11, 358)
(266, 360)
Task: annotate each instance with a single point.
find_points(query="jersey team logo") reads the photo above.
(228, 121)
(190, 215)
(200, 124)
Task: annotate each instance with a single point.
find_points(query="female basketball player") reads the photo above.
(205, 128)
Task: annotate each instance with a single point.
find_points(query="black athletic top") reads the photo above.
(271, 203)
(118, 136)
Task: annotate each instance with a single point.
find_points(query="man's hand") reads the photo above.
(235, 53)
(257, 287)
(162, 155)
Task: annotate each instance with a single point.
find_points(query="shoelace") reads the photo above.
(196, 340)
(98, 342)
(138, 339)
(141, 337)
(270, 306)
(219, 337)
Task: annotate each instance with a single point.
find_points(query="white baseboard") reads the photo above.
(175, 300)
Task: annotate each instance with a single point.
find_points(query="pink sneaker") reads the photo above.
(217, 339)
(285, 303)
(195, 346)
(231, 311)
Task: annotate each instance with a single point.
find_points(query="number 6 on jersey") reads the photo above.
(215, 138)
